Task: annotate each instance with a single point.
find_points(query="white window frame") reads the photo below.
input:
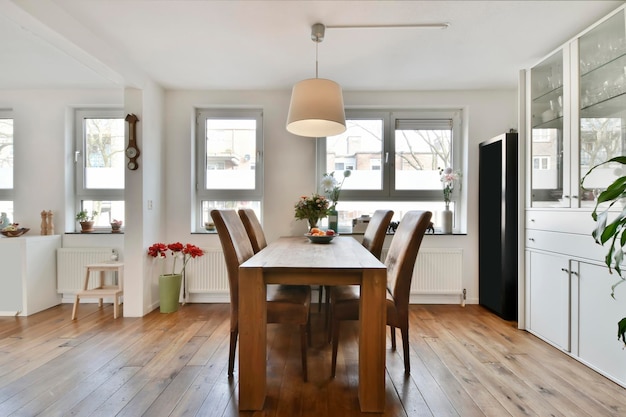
(81, 192)
(208, 194)
(8, 194)
(402, 200)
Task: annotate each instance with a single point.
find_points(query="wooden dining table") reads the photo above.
(295, 260)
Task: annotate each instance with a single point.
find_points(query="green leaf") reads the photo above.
(621, 330)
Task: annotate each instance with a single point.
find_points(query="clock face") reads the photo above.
(131, 152)
(132, 165)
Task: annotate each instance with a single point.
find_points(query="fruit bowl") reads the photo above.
(320, 238)
(14, 233)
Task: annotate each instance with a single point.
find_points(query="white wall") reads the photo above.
(487, 113)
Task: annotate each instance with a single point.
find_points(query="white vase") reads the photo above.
(446, 222)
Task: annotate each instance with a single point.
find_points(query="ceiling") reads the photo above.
(261, 45)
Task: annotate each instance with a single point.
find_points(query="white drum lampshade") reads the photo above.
(316, 109)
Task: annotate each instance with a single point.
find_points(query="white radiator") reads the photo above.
(437, 276)
(207, 274)
(71, 266)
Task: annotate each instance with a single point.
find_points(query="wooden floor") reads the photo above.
(465, 362)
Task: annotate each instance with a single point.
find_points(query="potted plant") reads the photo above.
(116, 225)
(169, 284)
(613, 232)
(86, 220)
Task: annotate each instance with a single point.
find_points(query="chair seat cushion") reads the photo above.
(289, 304)
(345, 302)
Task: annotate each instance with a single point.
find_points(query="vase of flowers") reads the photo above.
(332, 188)
(170, 284)
(448, 177)
(312, 209)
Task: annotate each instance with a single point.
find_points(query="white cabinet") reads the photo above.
(576, 103)
(576, 113)
(28, 282)
(598, 314)
(549, 295)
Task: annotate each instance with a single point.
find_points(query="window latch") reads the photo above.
(76, 156)
(386, 157)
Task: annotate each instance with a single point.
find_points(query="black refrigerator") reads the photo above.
(497, 225)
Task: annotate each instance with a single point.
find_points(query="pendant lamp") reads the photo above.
(316, 108)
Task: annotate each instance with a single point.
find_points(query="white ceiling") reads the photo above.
(243, 45)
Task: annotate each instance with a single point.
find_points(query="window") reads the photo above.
(229, 164)
(541, 162)
(6, 168)
(395, 158)
(100, 164)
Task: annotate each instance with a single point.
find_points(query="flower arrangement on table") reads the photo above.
(178, 250)
(448, 178)
(332, 187)
(312, 208)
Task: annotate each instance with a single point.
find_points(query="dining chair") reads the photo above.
(287, 305)
(257, 239)
(373, 240)
(253, 228)
(400, 262)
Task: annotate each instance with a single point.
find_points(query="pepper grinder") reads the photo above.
(50, 229)
(44, 223)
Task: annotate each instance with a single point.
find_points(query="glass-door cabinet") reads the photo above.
(549, 103)
(602, 104)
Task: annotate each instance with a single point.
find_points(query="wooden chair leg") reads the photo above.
(335, 341)
(303, 348)
(405, 348)
(231, 354)
(115, 304)
(393, 337)
(75, 309)
(319, 298)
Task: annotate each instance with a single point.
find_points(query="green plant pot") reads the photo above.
(169, 292)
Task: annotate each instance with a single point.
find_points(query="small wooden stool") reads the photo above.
(102, 290)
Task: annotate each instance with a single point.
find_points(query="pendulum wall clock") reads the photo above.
(132, 150)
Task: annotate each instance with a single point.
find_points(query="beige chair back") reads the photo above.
(400, 260)
(253, 228)
(374, 236)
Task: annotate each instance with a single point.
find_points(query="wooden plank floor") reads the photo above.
(464, 362)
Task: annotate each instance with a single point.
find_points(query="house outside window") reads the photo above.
(100, 164)
(6, 167)
(229, 161)
(397, 157)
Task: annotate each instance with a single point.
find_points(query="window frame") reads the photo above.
(389, 118)
(8, 194)
(80, 191)
(203, 194)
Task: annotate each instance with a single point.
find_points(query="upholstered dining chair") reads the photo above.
(373, 240)
(287, 305)
(253, 228)
(400, 262)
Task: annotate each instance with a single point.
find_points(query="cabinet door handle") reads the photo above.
(574, 273)
(532, 220)
(531, 239)
(565, 196)
(565, 270)
(574, 196)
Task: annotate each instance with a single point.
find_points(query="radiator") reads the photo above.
(71, 267)
(438, 271)
(208, 273)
